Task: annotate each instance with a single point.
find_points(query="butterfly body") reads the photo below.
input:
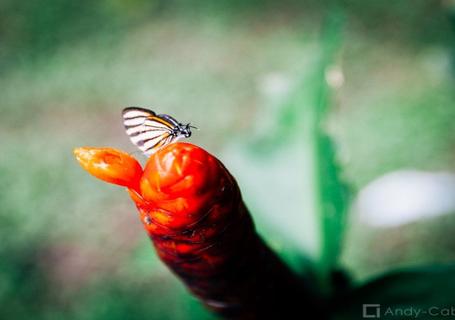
(150, 131)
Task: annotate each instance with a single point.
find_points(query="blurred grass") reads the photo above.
(67, 70)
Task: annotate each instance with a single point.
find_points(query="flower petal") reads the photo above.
(110, 165)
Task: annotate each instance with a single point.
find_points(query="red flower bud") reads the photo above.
(192, 210)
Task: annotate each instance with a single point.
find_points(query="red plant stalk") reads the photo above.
(192, 210)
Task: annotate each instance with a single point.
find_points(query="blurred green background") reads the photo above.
(72, 247)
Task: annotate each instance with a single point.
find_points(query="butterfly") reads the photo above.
(150, 131)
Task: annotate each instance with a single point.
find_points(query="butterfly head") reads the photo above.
(185, 129)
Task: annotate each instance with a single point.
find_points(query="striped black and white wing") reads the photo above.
(146, 130)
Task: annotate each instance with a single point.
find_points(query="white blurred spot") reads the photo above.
(406, 196)
(274, 84)
(334, 76)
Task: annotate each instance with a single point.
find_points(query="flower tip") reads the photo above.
(81, 154)
(110, 165)
(78, 151)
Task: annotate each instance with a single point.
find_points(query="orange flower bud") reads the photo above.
(110, 165)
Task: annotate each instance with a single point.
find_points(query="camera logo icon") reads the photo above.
(371, 311)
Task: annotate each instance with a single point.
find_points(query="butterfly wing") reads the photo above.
(147, 130)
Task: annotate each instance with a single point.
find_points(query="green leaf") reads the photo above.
(290, 176)
(423, 293)
(328, 193)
